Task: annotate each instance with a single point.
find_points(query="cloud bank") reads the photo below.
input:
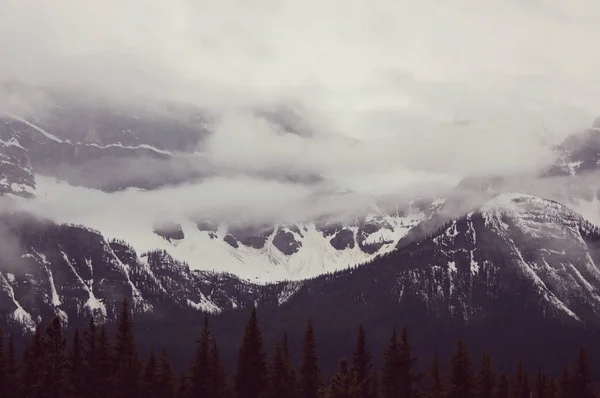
(403, 94)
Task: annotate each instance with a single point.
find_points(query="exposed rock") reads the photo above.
(286, 242)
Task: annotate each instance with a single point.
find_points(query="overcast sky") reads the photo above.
(436, 89)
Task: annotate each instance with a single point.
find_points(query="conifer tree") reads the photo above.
(56, 367)
(520, 388)
(105, 361)
(582, 377)
(200, 375)
(408, 377)
(310, 373)
(502, 387)
(126, 360)
(281, 381)
(251, 369)
(218, 378)
(552, 389)
(291, 371)
(362, 364)
(12, 385)
(461, 376)
(344, 383)
(34, 358)
(436, 388)
(148, 385)
(485, 378)
(390, 383)
(89, 353)
(76, 366)
(564, 387)
(166, 381)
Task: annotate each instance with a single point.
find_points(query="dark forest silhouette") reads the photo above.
(94, 365)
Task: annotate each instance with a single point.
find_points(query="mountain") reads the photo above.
(517, 259)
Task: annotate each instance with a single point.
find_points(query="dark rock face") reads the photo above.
(255, 237)
(208, 226)
(286, 242)
(231, 241)
(368, 228)
(330, 229)
(344, 239)
(169, 230)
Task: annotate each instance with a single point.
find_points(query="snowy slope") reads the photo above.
(117, 216)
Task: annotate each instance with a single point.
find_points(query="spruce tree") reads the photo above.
(56, 367)
(582, 377)
(166, 379)
(76, 371)
(148, 385)
(90, 365)
(564, 387)
(519, 384)
(282, 382)
(436, 388)
(105, 361)
(362, 364)
(310, 373)
(291, 371)
(485, 378)
(126, 360)
(251, 369)
(218, 378)
(200, 375)
(408, 377)
(461, 376)
(390, 382)
(552, 389)
(502, 387)
(34, 359)
(12, 386)
(344, 383)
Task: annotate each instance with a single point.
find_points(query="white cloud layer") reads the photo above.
(432, 90)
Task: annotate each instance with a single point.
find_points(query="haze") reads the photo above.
(399, 93)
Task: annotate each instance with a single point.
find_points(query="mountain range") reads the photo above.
(506, 259)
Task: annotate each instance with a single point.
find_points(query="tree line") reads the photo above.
(94, 365)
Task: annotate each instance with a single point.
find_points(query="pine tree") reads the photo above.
(362, 364)
(485, 378)
(564, 388)
(502, 387)
(200, 376)
(519, 389)
(390, 385)
(436, 388)
(344, 383)
(407, 363)
(310, 373)
(12, 386)
(582, 377)
(218, 378)
(90, 360)
(461, 376)
(56, 367)
(281, 378)
(148, 385)
(76, 373)
(251, 369)
(127, 363)
(105, 367)
(290, 375)
(34, 358)
(166, 379)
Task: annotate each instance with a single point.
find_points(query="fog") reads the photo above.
(402, 97)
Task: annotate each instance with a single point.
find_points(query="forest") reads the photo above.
(95, 364)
